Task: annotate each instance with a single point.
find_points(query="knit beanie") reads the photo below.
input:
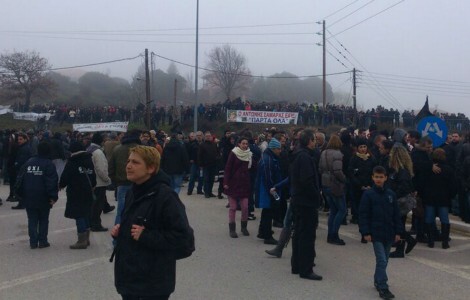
(274, 144)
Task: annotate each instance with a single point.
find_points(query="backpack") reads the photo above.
(189, 243)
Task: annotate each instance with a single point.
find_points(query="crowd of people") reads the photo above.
(372, 178)
(311, 114)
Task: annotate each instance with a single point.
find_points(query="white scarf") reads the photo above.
(243, 155)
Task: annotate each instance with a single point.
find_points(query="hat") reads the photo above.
(398, 135)
(361, 142)
(274, 144)
(76, 147)
(153, 132)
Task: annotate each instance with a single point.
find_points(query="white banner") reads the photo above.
(94, 127)
(4, 110)
(30, 116)
(262, 117)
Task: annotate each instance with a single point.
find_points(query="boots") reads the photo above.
(283, 240)
(233, 233)
(244, 230)
(429, 233)
(82, 242)
(400, 251)
(445, 228)
(410, 243)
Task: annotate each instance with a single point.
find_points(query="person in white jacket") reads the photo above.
(102, 181)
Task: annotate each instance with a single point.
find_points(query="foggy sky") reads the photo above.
(423, 39)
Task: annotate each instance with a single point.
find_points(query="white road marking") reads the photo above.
(26, 237)
(49, 273)
(441, 267)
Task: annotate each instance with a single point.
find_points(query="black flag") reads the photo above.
(424, 112)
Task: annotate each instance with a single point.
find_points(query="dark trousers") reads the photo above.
(97, 206)
(209, 175)
(12, 175)
(132, 297)
(303, 241)
(38, 225)
(266, 223)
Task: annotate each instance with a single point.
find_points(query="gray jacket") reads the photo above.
(331, 169)
(101, 165)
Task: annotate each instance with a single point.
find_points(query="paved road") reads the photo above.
(221, 267)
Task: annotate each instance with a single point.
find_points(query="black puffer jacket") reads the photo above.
(401, 183)
(304, 179)
(175, 158)
(147, 267)
(79, 187)
(360, 171)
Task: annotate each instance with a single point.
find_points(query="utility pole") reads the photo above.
(197, 67)
(147, 89)
(152, 75)
(324, 66)
(354, 96)
(174, 100)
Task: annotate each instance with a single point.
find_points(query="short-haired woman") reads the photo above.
(153, 224)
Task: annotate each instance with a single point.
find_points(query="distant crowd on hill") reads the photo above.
(309, 114)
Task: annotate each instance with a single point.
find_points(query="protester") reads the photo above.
(305, 191)
(208, 156)
(269, 174)
(333, 186)
(175, 162)
(379, 223)
(237, 184)
(80, 179)
(150, 230)
(39, 191)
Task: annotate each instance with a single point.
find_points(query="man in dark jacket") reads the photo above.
(207, 159)
(39, 191)
(192, 147)
(305, 195)
(23, 153)
(175, 162)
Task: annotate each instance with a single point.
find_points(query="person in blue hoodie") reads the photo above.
(380, 223)
(39, 191)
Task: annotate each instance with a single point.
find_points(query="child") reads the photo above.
(379, 223)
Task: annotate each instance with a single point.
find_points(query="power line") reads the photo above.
(422, 83)
(247, 75)
(382, 11)
(171, 42)
(351, 13)
(332, 14)
(423, 78)
(96, 64)
(162, 34)
(337, 59)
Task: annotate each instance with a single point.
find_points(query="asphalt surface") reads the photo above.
(222, 267)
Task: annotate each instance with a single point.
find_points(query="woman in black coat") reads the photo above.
(80, 179)
(437, 197)
(360, 175)
(400, 181)
(153, 224)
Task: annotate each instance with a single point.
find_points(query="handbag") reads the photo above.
(406, 204)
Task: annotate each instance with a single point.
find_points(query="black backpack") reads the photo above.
(189, 244)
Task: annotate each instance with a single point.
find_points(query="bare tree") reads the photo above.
(228, 72)
(23, 74)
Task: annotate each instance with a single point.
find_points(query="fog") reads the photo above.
(404, 50)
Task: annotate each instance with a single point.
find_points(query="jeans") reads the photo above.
(337, 211)
(38, 225)
(83, 224)
(431, 211)
(175, 182)
(209, 175)
(121, 198)
(381, 251)
(233, 208)
(193, 176)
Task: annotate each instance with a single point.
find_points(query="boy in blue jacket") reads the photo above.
(379, 223)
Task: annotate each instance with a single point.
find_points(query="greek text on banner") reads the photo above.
(94, 127)
(262, 117)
